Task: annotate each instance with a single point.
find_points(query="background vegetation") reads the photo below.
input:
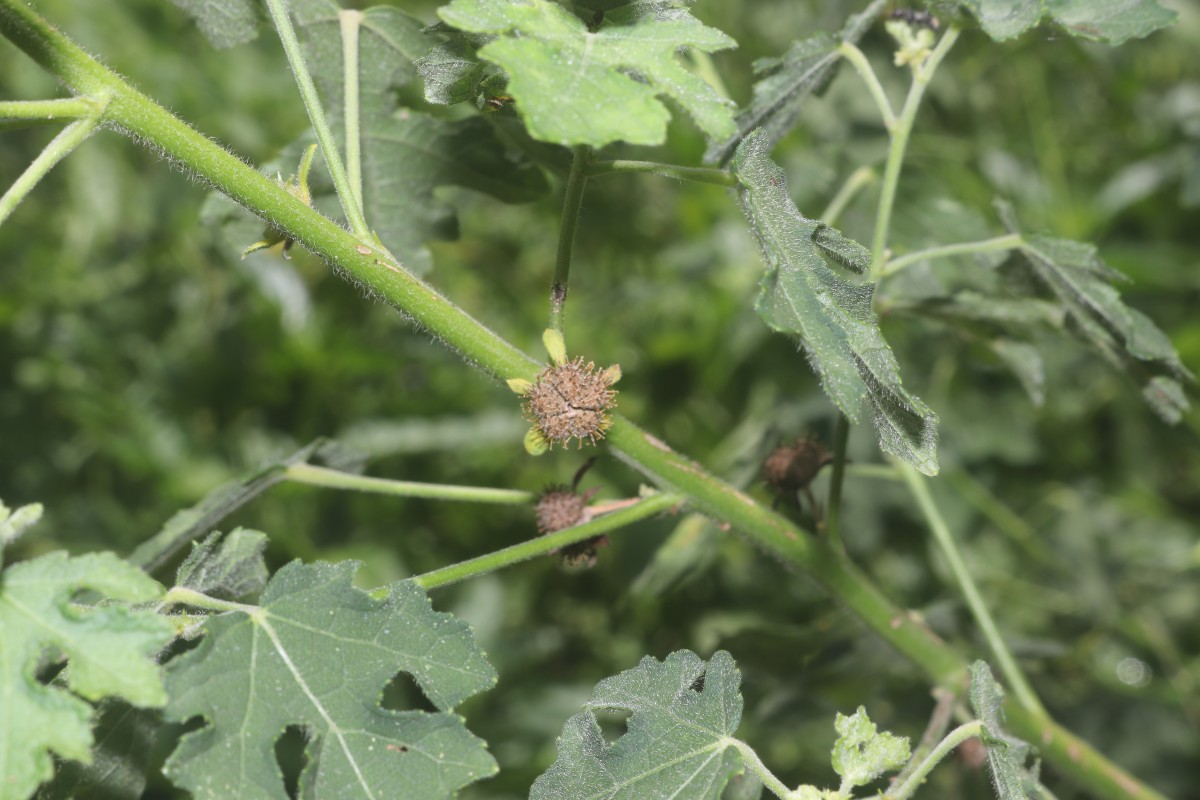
(145, 364)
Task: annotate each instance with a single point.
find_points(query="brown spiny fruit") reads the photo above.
(571, 400)
(792, 467)
(560, 508)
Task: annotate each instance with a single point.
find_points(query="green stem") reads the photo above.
(181, 595)
(833, 506)
(939, 720)
(718, 177)
(316, 115)
(544, 544)
(349, 23)
(862, 66)
(755, 764)
(336, 479)
(47, 110)
(67, 140)
(949, 549)
(953, 739)
(899, 135)
(860, 178)
(155, 127)
(1009, 241)
(572, 201)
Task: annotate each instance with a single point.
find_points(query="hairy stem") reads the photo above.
(858, 180)
(719, 177)
(949, 549)
(915, 778)
(833, 505)
(572, 202)
(155, 127)
(349, 23)
(1009, 241)
(544, 544)
(336, 479)
(67, 140)
(899, 135)
(316, 115)
(862, 66)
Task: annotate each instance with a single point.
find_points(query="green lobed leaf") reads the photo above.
(677, 741)
(229, 567)
(108, 651)
(317, 653)
(125, 740)
(576, 86)
(861, 754)
(803, 295)
(1006, 754)
(784, 84)
(1082, 282)
(225, 23)
(451, 70)
(1109, 21)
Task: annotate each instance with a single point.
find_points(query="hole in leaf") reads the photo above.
(613, 724)
(698, 684)
(404, 694)
(292, 758)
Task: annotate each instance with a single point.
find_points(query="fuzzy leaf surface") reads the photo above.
(1006, 754)
(677, 740)
(230, 567)
(108, 651)
(225, 23)
(317, 653)
(1109, 21)
(784, 84)
(804, 296)
(1083, 284)
(575, 86)
(861, 754)
(125, 741)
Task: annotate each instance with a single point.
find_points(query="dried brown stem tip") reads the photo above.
(571, 401)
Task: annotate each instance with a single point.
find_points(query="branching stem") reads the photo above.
(915, 778)
(862, 66)
(49, 110)
(756, 765)
(918, 485)
(154, 126)
(858, 180)
(1009, 241)
(572, 202)
(316, 115)
(833, 506)
(336, 479)
(349, 24)
(899, 135)
(67, 140)
(544, 544)
(718, 177)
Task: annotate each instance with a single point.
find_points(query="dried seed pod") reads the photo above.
(559, 508)
(791, 468)
(569, 401)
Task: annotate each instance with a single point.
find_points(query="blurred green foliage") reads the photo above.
(145, 364)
